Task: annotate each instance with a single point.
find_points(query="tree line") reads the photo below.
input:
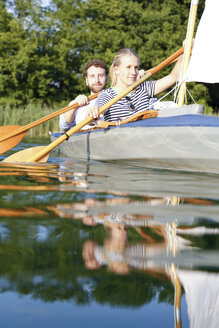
(58, 261)
(44, 46)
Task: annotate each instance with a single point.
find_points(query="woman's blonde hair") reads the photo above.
(117, 62)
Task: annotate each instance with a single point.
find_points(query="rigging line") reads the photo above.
(187, 90)
(164, 96)
(176, 93)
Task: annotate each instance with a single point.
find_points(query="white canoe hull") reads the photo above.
(185, 142)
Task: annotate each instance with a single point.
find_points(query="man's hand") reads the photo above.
(82, 100)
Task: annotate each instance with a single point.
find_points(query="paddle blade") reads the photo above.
(23, 156)
(10, 142)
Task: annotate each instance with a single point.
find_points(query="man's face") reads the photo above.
(96, 79)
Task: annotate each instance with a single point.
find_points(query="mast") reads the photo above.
(188, 48)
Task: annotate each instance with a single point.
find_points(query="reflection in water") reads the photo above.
(7, 212)
(201, 288)
(202, 297)
(127, 233)
(166, 249)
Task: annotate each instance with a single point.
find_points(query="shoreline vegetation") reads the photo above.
(32, 112)
(28, 114)
(44, 46)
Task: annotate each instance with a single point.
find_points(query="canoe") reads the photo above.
(172, 140)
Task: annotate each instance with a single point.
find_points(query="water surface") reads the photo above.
(107, 244)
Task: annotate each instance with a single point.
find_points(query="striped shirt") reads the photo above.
(129, 105)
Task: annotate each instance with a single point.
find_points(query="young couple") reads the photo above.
(124, 72)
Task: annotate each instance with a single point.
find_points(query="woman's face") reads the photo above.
(127, 71)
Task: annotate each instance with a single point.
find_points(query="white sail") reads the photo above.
(204, 62)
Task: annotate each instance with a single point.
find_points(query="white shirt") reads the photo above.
(80, 115)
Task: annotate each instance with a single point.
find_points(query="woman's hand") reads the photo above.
(94, 112)
(184, 43)
(141, 73)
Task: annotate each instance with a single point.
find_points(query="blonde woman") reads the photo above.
(124, 72)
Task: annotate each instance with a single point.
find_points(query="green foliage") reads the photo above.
(43, 50)
(200, 91)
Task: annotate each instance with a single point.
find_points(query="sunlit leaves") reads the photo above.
(43, 50)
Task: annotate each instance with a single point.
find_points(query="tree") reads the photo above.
(12, 49)
(43, 50)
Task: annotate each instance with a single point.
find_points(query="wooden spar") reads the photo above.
(188, 49)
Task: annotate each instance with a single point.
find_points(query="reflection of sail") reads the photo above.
(204, 65)
(202, 297)
(171, 257)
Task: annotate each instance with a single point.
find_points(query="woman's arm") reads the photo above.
(169, 80)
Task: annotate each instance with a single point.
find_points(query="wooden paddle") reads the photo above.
(40, 154)
(11, 135)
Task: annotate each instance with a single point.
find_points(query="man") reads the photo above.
(96, 77)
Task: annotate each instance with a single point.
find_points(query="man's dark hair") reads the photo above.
(96, 63)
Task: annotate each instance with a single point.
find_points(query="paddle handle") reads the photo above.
(87, 120)
(43, 119)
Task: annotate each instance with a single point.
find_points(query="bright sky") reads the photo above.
(45, 2)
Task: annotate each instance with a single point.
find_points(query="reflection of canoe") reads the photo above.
(182, 142)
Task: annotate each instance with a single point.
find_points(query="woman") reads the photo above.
(124, 72)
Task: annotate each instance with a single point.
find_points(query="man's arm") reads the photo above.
(82, 100)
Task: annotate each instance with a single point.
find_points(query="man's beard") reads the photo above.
(96, 88)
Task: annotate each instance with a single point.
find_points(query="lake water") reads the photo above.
(107, 245)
